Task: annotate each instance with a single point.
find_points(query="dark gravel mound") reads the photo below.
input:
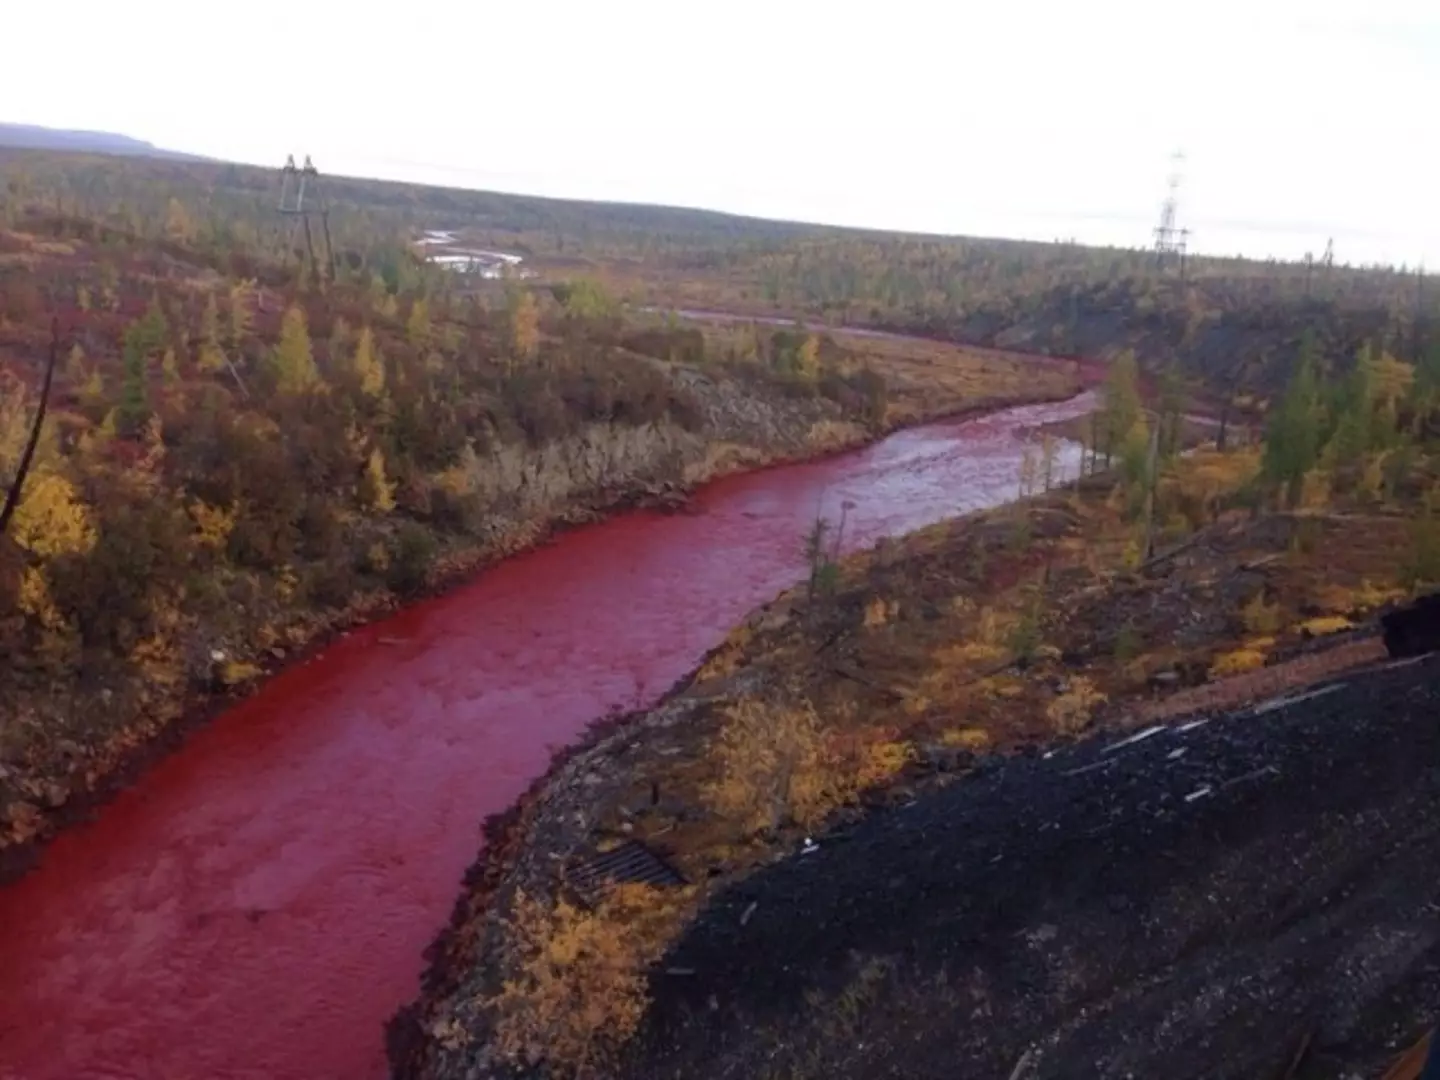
(1196, 901)
(1414, 629)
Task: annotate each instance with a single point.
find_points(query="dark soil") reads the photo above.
(1197, 903)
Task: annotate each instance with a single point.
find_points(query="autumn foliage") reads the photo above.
(580, 980)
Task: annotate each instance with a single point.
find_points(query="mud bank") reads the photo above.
(261, 899)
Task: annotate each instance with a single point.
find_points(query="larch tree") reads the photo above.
(377, 492)
(1172, 405)
(178, 225)
(1351, 413)
(212, 353)
(76, 371)
(417, 324)
(338, 348)
(241, 317)
(143, 338)
(586, 298)
(51, 521)
(1122, 402)
(293, 359)
(1292, 433)
(368, 366)
(524, 325)
(807, 358)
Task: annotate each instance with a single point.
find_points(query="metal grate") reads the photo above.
(632, 863)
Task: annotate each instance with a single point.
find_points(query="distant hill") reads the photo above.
(30, 137)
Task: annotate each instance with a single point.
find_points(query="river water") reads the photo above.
(256, 907)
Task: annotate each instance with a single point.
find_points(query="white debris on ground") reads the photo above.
(442, 248)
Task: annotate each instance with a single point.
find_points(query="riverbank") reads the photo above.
(255, 907)
(741, 434)
(928, 659)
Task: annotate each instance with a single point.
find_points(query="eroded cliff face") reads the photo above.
(613, 463)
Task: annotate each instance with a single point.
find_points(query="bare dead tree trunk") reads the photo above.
(12, 497)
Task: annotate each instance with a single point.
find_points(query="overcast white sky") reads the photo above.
(996, 117)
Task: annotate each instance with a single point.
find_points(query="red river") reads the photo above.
(256, 907)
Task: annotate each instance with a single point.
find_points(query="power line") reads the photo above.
(1170, 240)
(294, 185)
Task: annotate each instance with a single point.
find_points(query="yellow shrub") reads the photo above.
(235, 672)
(377, 490)
(286, 582)
(994, 627)
(916, 704)
(1205, 477)
(50, 518)
(158, 659)
(35, 599)
(579, 988)
(1236, 663)
(1339, 600)
(377, 558)
(727, 658)
(878, 612)
(1260, 617)
(1001, 686)
(965, 738)
(881, 762)
(1325, 625)
(967, 654)
(767, 756)
(213, 524)
(1315, 490)
(779, 764)
(1072, 710)
(1372, 477)
(961, 604)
